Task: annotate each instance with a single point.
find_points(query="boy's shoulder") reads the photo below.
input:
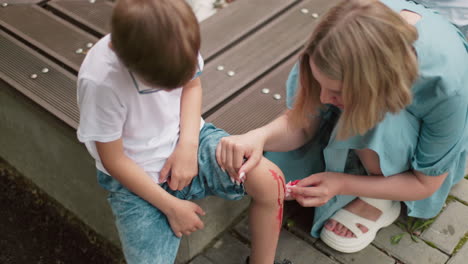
(101, 65)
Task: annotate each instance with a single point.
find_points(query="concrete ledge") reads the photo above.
(45, 150)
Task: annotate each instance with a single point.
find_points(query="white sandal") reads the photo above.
(390, 212)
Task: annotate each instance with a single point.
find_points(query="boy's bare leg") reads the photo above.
(265, 184)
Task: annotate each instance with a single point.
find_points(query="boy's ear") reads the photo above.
(110, 46)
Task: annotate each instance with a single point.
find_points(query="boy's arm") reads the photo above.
(182, 214)
(182, 165)
(190, 113)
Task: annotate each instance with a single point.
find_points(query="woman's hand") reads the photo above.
(239, 154)
(317, 189)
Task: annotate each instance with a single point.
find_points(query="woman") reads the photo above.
(395, 76)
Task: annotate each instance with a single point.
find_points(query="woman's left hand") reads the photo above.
(317, 189)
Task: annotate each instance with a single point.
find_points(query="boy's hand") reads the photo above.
(183, 218)
(181, 166)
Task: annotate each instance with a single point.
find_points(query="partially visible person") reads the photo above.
(139, 97)
(380, 95)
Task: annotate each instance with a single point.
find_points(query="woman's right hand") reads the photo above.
(239, 154)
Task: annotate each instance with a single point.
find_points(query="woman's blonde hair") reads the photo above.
(368, 47)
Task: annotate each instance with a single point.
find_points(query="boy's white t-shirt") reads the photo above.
(111, 108)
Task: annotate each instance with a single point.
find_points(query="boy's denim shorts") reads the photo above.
(144, 230)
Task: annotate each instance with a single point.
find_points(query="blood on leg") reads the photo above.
(281, 186)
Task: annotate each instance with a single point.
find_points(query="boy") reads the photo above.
(140, 117)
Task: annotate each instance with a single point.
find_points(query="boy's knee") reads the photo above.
(266, 182)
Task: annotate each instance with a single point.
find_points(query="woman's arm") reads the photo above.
(317, 189)
(407, 186)
(279, 135)
(283, 134)
(415, 185)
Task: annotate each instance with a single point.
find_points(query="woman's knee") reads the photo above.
(370, 160)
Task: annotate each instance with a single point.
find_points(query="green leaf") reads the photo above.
(414, 238)
(426, 223)
(396, 238)
(416, 224)
(409, 224)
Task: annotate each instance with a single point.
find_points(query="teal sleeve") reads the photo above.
(291, 85)
(442, 136)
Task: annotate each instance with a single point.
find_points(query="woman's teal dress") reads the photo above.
(429, 135)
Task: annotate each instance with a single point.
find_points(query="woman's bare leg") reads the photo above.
(371, 162)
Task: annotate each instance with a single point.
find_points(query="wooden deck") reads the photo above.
(43, 43)
(250, 39)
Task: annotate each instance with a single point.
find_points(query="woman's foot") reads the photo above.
(357, 207)
(363, 218)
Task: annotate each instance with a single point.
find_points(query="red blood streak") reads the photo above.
(279, 180)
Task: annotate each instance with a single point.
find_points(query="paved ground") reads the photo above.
(35, 229)
(443, 241)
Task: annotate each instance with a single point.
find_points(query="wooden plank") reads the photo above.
(21, 2)
(236, 21)
(49, 33)
(55, 90)
(259, 53)
(254, 108)
(94, 15)
(218, 32)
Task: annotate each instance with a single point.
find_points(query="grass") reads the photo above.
(450, 199)
(414, 227)
(460, 243)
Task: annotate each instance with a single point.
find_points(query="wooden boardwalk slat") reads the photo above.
(54, 90)
(236, 21)
(95, 16)
(259, 53)
(253, 108)
(20, 2)
(218, 32)
(47, 32)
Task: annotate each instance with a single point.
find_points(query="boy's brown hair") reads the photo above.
(158, 40)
